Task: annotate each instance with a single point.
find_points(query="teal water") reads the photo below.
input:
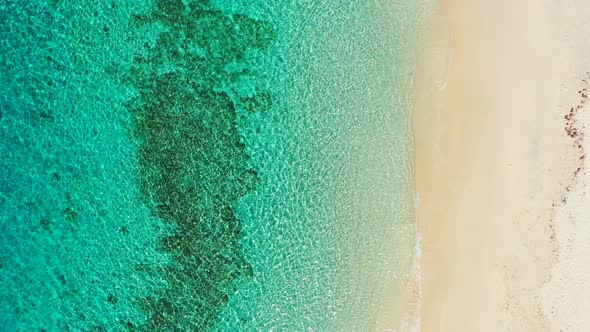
(203, 165)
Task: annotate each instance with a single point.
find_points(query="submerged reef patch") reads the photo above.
(193, 164)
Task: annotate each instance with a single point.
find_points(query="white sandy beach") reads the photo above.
(502, 250)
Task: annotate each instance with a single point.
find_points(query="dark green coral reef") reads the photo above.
(194, 166)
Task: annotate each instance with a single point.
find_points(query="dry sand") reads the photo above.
(495, 80)
(566, 296)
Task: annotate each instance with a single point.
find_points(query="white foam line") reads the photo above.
(412, 321)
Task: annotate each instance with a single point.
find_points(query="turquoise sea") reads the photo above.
(204, 165)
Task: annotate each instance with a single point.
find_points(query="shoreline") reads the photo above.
(492, 160)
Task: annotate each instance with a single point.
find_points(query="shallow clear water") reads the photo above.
(203, 165)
